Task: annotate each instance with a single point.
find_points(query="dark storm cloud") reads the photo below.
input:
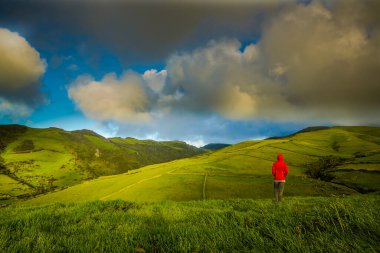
(144, 30)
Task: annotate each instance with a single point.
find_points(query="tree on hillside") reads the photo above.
(50, 181)
(26, 145)
(322, 169)
(2, 165)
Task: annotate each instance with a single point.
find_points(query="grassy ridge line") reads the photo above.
(308, 224)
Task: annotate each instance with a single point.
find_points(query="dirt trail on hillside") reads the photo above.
(131, 185)
(204, 187)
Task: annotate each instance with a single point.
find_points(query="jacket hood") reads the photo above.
(280, 157)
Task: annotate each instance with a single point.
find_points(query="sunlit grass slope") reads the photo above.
(300, 224)
(244, 171)
(33, 161)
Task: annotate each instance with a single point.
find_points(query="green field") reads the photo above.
(244, 171)
(300, 224)
(35, 161)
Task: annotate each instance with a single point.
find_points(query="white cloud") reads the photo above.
(21, 69)
(72, 67)
(155, 80)
(197, 143)
(20, 64)
(13, 109)
(224, 79)
(120, 99)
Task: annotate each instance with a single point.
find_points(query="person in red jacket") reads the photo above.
(279, 172)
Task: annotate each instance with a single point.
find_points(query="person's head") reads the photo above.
(280, 157)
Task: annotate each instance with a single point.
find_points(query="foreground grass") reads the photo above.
(314, 224)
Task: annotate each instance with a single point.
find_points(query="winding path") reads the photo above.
(204, 187)
(131, 185)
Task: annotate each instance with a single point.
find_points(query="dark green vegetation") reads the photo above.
(34, 161)
(300, 224)
(324, 167)
(215, 146)
(244, 171)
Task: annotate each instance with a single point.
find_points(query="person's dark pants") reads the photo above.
(278, 190)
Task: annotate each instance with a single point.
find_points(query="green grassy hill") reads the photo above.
(33, 161)
(244, 171)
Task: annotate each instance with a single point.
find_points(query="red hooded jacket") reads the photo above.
(279, 168)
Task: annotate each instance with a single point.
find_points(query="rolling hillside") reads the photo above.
(33, 161)
(244, 171)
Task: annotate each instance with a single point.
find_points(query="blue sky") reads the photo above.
(198, 72)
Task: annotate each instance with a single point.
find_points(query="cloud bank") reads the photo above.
(21, 69)
(313, 63)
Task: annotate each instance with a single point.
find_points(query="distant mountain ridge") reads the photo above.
(305, 130)
(215, 146)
